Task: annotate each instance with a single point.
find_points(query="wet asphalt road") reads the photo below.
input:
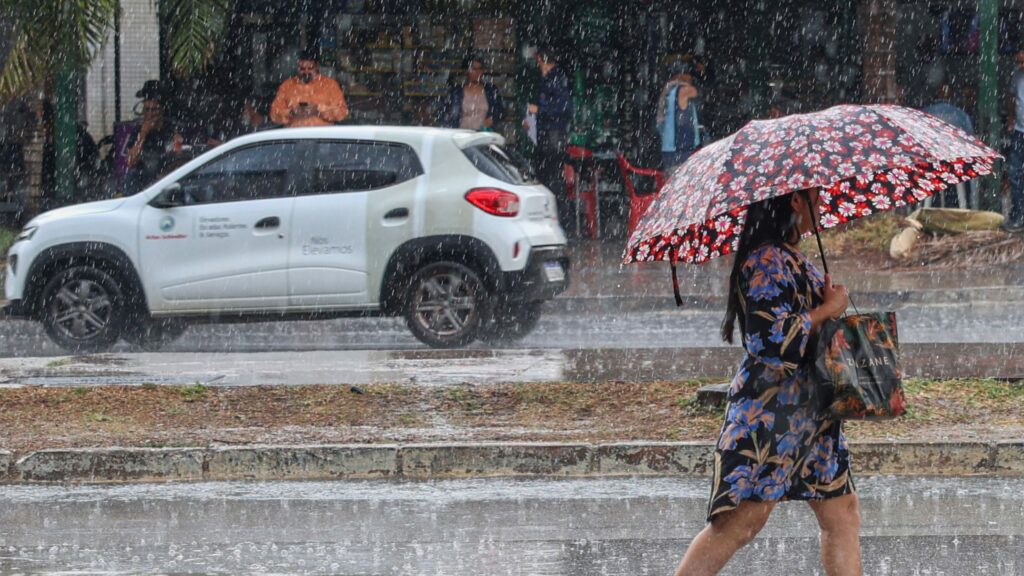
(996, 322)
(625, 526)
(940, 340)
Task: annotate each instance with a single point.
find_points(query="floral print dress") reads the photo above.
(772, 447)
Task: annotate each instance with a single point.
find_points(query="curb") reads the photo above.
(468, 460)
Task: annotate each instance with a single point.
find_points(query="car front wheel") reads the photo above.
(445, 305)
(83, 309)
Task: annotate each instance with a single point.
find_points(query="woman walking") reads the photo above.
(772, 447)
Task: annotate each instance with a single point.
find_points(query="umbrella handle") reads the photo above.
(821, 247)
(814, 226)
(675, 280)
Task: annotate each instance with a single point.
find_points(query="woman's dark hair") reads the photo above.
(770, 221)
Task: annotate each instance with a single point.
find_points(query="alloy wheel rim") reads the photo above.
(445, 303)
(81, 309)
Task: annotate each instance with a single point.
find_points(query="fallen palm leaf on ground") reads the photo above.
(968, 250)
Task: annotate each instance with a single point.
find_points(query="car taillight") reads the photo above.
(494, 201)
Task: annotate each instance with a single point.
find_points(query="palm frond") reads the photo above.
(51, 35)
(193, 29)
(18, 75)
(54, 34)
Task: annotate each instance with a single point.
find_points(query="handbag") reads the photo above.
(856, 372)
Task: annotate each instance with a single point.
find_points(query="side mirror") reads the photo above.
(170, 197)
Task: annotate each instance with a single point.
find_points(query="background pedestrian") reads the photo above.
(1015, 157)
(474, 105)
(553, 107)
(678, 120)
(153, 146)
(944, 109)
(309, 98)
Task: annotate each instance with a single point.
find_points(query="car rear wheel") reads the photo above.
(445, 305)
(83, 309)
(512, 322)
(152, 334)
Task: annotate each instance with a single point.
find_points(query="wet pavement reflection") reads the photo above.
(627, 526)
(426, 367)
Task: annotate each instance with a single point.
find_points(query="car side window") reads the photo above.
(360, 166)
(252, 173)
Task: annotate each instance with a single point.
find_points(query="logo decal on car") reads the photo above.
(167, 224)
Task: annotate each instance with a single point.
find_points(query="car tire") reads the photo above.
(83, 309)
(445, 305)
(152, 334)
(512, 322)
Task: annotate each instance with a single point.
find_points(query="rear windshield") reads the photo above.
(499, 163)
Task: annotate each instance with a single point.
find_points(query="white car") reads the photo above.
(440, 226)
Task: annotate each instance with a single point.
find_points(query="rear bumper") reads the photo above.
(13, 309)
(538, 280)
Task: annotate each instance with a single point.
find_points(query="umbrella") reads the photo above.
(866, 159)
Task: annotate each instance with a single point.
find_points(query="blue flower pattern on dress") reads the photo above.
(753, 343)
(742, 419)
(789, 392)
(771, 447)
(787, 444)
(742, 482)
(822, 461)
(774, 485)
(781, 314)
(739, 380)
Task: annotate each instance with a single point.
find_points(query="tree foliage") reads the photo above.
(50, 35)
(193, 28)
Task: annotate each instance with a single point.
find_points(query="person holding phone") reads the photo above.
(308, 98)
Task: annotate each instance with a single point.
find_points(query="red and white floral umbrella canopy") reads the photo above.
(867, 159)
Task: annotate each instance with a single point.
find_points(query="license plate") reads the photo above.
(554, 272)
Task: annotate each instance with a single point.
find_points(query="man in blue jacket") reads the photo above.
(553, 107)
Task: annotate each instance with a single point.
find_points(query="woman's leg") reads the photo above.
(719, 540)
(839, 520)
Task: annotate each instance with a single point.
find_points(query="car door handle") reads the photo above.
(397, 213)
(268, 223)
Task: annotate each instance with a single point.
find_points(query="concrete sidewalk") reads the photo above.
(626, 526)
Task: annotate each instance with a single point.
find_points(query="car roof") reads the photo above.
(404, 134)
(414, 136)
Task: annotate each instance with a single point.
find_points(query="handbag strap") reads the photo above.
(821, 247)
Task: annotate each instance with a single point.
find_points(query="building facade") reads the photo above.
(395, 59)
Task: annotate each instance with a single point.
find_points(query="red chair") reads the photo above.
(638, 203)
(581, 178)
